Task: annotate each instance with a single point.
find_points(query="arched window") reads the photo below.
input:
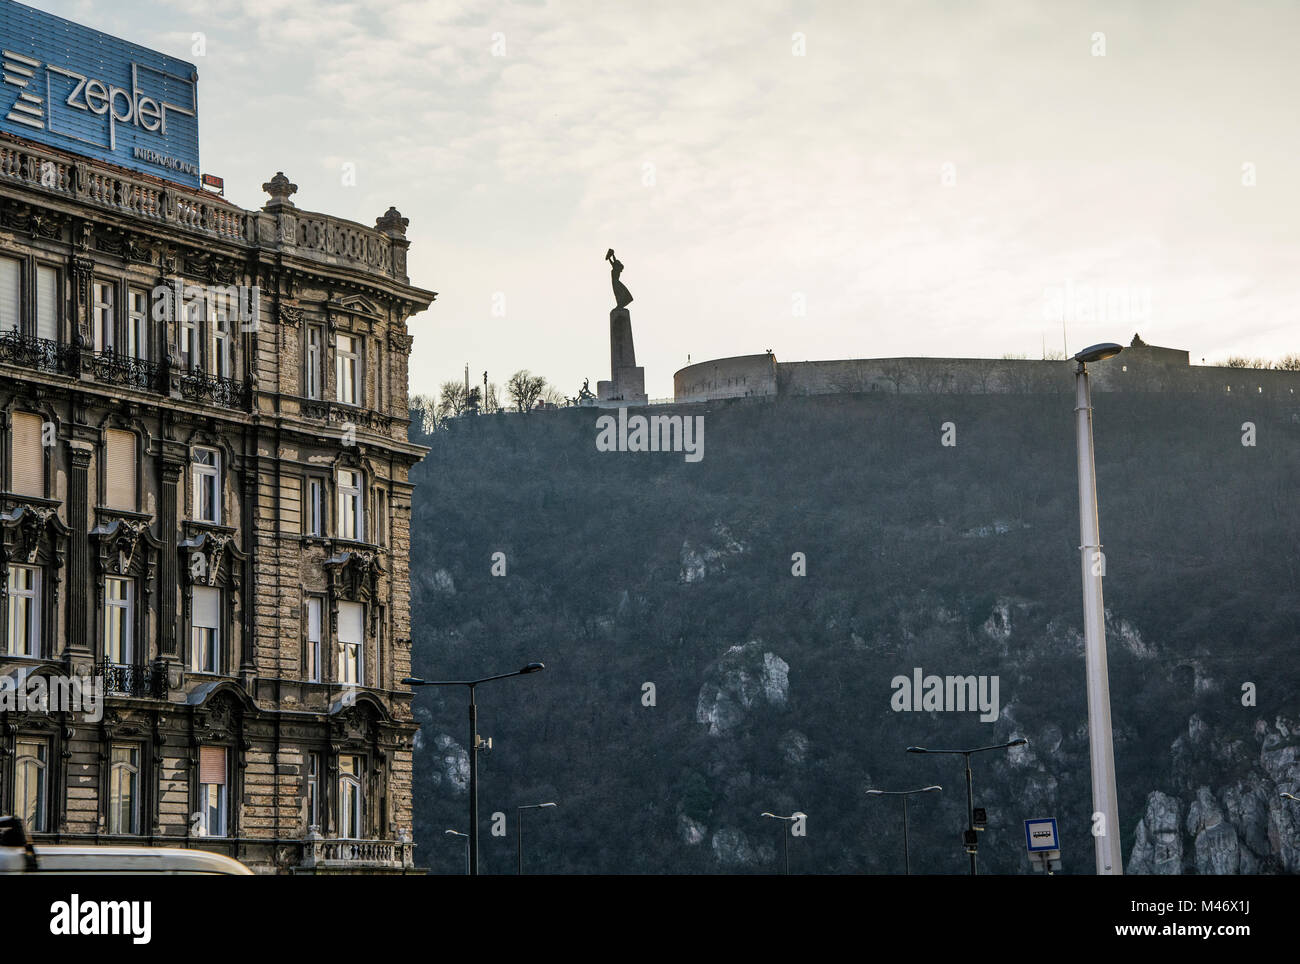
(124, 789)
(351, 799)
(31, 786)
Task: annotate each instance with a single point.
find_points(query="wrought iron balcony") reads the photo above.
(131, 680)
(198, 386)
(112, 368)
(39, 354)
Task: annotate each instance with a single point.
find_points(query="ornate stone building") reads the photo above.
(204, 503)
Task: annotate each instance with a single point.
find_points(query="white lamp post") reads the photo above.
(1101, 746)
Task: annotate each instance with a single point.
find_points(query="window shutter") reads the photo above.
(204, 606)
(212, 765)
(47, 303)
(121, 470)
(350, 621)
(27, 475)
(10, 291)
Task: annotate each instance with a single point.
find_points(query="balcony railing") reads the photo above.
(38, 354)
(199, 386)
(132, 680)
(320, 853)
(114, 369)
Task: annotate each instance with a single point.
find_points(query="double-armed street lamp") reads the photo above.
(907, 864)
(457, 833)
(474, 744)
(519, 831)
(785, 836)
(970, 792)
(1101, 746)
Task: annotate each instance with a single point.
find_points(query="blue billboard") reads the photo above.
(89, 93)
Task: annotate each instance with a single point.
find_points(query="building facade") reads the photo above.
(204, 508)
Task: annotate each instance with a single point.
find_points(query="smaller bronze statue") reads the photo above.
(622, 297)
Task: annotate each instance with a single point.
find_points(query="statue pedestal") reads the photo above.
(627, 379)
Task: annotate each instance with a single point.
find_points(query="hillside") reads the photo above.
(773, 691)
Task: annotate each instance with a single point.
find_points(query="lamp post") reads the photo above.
(457, 833)
(473, 744)
(519, 831)
(1101, 746)
(907, 864)
(785, 836)
(970, 792)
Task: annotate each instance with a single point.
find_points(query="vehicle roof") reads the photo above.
(71, 859)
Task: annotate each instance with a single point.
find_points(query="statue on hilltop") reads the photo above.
(622, 297)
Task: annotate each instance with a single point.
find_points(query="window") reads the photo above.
(31, 784)
(381, 517)
(119, 606)
(137, 323)
(24, 592)
(313, 516)
(124, 789)
(10, 294)
(26, 456)
(205, 635)
(212, 791)
(102, 315)
(207, 485)
(311, 668)
(351, 642)
(191, 342)
(313, 790)
(315, 338)
(219, 326)
(120, 473)
(48, 291)
(351, 524)
(350, 798)
(346, 366)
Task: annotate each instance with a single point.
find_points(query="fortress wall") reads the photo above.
(739, 377)
(929, 375)
(1136, 369)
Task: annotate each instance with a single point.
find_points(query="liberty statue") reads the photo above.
(622, 297)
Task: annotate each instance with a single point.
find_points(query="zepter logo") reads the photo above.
(43, 86)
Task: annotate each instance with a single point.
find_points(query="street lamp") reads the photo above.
(907, 864)
(457, 833)
(785, 836)
(1289, 796)
(970, 792)
(473, 744)
(519, 831)
(1101, 745)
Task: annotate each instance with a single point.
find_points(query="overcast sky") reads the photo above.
(827, 180)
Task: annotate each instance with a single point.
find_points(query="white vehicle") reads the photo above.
(18, 855)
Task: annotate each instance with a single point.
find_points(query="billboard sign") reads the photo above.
(87, 92)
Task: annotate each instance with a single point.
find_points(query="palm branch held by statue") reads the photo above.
(622, 297)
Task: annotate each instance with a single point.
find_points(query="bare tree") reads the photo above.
(492, 401)
(424, 412)
(525, 389)
(453, 400)
(1288, 363)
